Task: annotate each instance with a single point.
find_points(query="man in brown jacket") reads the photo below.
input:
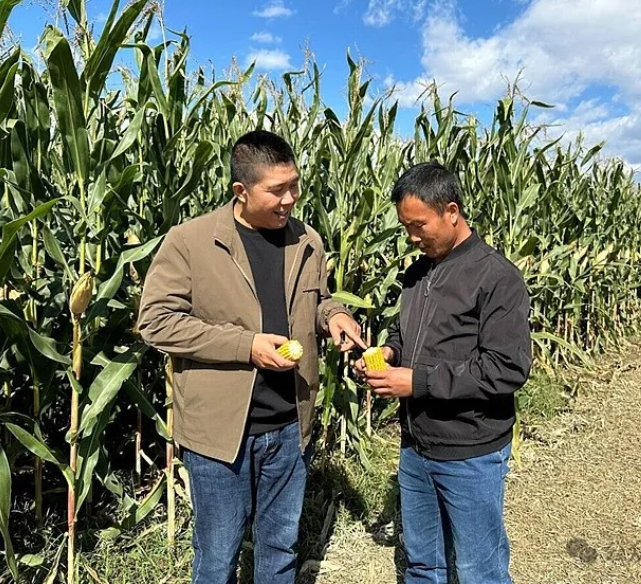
(223, 293)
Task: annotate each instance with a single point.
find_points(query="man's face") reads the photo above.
(434, 233)
(268, 202)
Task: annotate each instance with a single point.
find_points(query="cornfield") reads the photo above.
(109, 140)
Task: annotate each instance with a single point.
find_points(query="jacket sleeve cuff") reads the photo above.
(327, 310)
(420, 387)
(244, 348)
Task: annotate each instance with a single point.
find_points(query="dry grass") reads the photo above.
(573, 508)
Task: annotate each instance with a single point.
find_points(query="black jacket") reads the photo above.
(463, 329)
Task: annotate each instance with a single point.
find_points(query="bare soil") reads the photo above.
(573, 506)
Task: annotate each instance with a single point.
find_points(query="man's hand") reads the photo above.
(360, 368)
(264, 354)
(391, 383)
(343, 324)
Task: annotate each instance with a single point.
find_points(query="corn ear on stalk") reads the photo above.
(291, 350)
(374, 360)
(81, 294)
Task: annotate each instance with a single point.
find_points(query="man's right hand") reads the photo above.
(359, 366)
(264, 354)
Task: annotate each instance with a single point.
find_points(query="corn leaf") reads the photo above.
(5, 508)
(67, 99)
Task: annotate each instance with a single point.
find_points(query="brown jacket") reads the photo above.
(199, 305)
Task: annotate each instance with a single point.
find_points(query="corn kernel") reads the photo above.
(291, 350)
(374, 360)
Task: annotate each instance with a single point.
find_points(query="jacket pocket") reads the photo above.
(309, 281)
(445, 422)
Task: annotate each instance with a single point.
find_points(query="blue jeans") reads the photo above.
(265, 485)
(454, 507)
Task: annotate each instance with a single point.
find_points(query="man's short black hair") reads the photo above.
(257, 148)
(432, 183)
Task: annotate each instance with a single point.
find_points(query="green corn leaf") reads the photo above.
(53, 249)
(107, 384)
(581, 356)
(5, 508)
(77, 10)
(97, 194)
(202, 158)
(10, 230)
(109, 288)
(113, 36)
(6, 6)
(350, 299)
(32, 560)
(146, 407)
(67, 98)
(40, 449)
(131, 134)
(44, 345)
(7, 89)
(147, 505)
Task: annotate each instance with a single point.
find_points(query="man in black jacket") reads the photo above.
(458, 352)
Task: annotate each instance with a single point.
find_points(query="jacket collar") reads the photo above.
(296, 235)
(225, 229)
(462, 248)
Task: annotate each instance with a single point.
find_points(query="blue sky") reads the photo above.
(583, 56)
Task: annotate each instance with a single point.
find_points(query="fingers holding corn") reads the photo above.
(275, 352)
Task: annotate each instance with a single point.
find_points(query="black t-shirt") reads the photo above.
(274, 395)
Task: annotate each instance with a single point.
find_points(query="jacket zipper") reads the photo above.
(426, 294)
(428, 286)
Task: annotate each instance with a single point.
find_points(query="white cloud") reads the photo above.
(559, 47)
(381, 12)
(342, 5)
(269, 60)
(274, 9)
(595, 121)
(562, 51)
(408, 94)
(265, 37)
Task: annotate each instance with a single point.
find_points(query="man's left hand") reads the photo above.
(391, 383)
(343, 324)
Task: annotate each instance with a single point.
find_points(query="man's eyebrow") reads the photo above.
(282, 184)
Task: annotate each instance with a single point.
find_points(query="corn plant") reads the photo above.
(109, 141)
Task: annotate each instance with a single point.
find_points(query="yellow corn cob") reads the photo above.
(374, 360)
(81, 294)
(291, 350)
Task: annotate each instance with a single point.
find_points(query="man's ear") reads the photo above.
(240, 192)
(453, 211)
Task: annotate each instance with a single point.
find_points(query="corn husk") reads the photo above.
(81, 294)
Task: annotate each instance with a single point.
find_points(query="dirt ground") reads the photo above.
(573, 505)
